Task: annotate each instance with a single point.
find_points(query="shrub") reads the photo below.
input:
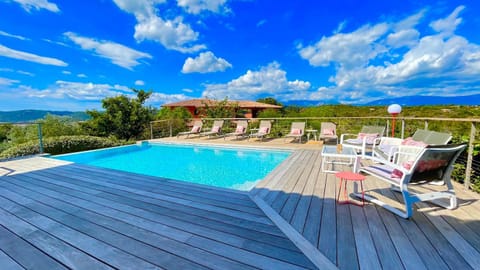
(60, 145)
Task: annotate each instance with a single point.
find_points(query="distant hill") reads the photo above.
(33, 115)
(405, 101)
(429, 100)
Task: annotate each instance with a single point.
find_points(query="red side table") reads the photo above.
(344, 178)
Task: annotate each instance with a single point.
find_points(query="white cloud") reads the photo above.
(11, 53)
(261, 23)
(68, 95)
(66, 72)
(81, 75)
(397, 60)
(204, 63)
(2, 33)
(350, 49)
(197, 6)
(448, 25)
(118, 54)
(172, 34)
(7, 82)
(28, 5)
(269, 79)
(139, 82)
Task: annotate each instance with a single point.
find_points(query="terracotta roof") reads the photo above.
(197, 103)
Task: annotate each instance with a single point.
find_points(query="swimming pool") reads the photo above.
(236, 168)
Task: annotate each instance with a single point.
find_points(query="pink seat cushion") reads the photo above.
(296, 131)
(264, 130)
(412, 142)
(215, 129)
(370, 137)
(195, 129)
(328, 131)
(240, 129)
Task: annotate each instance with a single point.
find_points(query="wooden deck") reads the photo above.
(353, 237)
(55, 215)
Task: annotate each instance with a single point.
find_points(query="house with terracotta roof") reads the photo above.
(194, 106)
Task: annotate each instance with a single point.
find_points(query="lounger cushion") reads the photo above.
(195, 129)
(328, 131)
(296, 131)
(263, 130)
(216, 129)
(240, 129)
(412, 142)
(370, 138)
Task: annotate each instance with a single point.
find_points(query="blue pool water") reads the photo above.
(235, 168)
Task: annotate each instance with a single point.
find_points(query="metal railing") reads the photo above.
(462, 130)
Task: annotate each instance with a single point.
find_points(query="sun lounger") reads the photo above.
(297, 131)
(432, 164)
(240, 130)
(263, 130)
(328, 131)
(364, 139)
(216, 129)
(385, 146)
(196, 129)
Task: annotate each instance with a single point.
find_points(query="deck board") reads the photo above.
(103, 218)
(67, 215)
(353, 237)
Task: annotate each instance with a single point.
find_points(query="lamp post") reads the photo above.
(394, 110)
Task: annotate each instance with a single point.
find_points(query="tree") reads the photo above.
(269, 100)
(125, 118)
(220, 109)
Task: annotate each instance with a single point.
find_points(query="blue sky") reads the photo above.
(69, 55)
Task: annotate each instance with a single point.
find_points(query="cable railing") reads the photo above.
(462, 130)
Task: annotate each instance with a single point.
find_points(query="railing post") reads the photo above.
(40, 137)
(426, 124)
(403, 129)
(170, 121)
(151, 131)
(468, 169)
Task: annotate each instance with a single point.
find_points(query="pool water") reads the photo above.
(235, 168)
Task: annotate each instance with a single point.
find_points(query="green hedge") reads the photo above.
(59, 145)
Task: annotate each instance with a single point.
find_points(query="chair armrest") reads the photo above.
(390, 141)
(342, 137)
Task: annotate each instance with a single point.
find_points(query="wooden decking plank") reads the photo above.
(385, 248)
(278, 188)
(405, 249)
(80, 186)
(367, 254)
(249, 258)
(169, 188)
(290, 206)
(311, 230)
(303, 207)
(347, 253)
(24, 253)
(278, 201)
(59, 250)
(419, 232)
(210, 224)
(187, 186)
(194, 254)
(328, 227)
(460, 246)
(262, 188)
(150, 183)
(8, 263)
(178, 200)
(201, 231)
(112, 255)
